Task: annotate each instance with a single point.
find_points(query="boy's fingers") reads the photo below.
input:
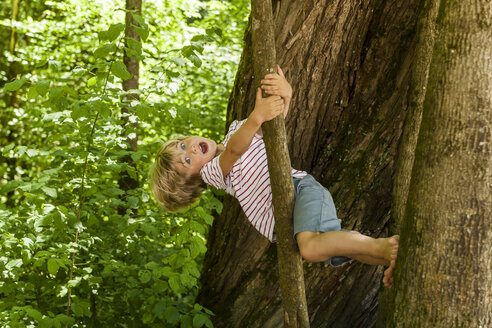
(271, 76)
(259, 95)
(279, 70)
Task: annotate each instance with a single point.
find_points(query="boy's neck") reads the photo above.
(220, 149)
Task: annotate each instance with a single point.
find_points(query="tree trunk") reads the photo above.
(127, 182)
(443, 276)
(11, 101)
(411, 127)
(349, 66)
(291, 275)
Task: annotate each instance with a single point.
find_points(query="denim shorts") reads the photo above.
(314, 210)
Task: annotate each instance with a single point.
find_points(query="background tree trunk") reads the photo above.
(443, 276)
(349, 66)
(132, 64)
(11, 101)
(291, 274)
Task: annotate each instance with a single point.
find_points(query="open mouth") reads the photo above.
(203, 147)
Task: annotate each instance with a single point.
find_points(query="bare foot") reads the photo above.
(390, 254)
(390, 248)
(388, 275)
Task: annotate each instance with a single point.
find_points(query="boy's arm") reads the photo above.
(265, 110)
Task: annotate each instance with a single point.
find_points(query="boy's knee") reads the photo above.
(309, 252)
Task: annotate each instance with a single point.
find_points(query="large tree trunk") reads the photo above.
(443, 276)
(408, 141)
(348, 63)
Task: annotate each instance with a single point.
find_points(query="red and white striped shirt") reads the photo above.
(248, 181)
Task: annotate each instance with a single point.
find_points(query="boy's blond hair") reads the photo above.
(172, 190)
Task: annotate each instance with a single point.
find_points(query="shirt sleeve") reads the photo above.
(235, 125)
(212, 174)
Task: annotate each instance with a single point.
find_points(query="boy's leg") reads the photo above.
(317, 246)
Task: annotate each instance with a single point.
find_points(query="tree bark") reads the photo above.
(349, 66)
(443, 276)
(291, 275)
(411, 127)
(132, 64)
(11, 101)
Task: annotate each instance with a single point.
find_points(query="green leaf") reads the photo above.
(139, 19)
(178, 61)
(119, 70)
(143, 33)
(79, 111)
(171, 314)
(134, 47)
(143, 111)
(112, 33)
(14, 85)
(147, 317)
(7, 149)
(14, 263)
(32, 93)
(54, 65)
(32, 152)
(35, 314)
(50, 191)
(175, 284)
(214, 30)
(74, 282)
(92, 81)
(53, 266)
(42, 87)
(197, 46)
(101, 107)
(77, 309)
(159, 308)
(199, 320)
(77, 72)
(113, 192)
(144, 276)
(104, 50)
(132, 202)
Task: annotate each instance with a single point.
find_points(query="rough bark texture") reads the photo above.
(132, 64)
(443, 272)
(406, 149)
(348, 63)
(291, 274)
(11, 100)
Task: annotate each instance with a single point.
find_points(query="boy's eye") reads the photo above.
(188, 160)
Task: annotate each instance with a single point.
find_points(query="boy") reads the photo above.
(238, 165)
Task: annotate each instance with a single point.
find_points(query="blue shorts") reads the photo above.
(315, 211)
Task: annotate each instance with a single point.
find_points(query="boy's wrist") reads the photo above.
(256, 118)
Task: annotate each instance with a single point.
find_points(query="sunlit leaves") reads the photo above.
(14, 85)
(104, 50)
(119, 69)
(142, 266)
(112, 33)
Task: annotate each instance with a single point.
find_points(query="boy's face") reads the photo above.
(192, 153)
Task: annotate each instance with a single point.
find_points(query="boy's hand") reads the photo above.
(267, 108)
(277, 85)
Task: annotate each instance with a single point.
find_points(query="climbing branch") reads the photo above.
(289, 261)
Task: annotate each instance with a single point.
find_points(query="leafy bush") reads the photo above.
(76, 248)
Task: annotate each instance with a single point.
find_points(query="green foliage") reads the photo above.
(63, 153)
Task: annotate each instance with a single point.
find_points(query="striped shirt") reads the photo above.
(248, 181)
